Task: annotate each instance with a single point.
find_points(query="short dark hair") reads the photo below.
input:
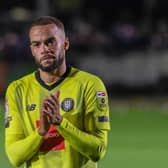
(44, 20)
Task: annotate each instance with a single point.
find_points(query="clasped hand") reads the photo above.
(50, 113)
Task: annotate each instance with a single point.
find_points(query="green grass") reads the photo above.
(138, 137)
(3, 159)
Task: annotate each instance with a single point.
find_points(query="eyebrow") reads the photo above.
(47, 40)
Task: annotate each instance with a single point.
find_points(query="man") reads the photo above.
(58, 116)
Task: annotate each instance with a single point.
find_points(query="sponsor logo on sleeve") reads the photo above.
(100, 94)
(103, 118)
(101, 98)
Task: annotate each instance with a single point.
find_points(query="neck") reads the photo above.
(54, 76)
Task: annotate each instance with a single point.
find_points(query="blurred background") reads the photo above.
(125, 42)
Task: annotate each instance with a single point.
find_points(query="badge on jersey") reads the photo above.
(67, 104)
(7, 117)
(101, 100)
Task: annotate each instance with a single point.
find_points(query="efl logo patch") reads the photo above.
(101, 99)
(53, 141)
(67, 104)
(100, 94)
(7, 117)
(103, 119)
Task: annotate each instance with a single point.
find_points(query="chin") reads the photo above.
(47, 68)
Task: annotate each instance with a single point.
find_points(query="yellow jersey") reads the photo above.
(81, 138)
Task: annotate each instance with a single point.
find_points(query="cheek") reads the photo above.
(54, 48)
(32, 51)
(36, 55)
(35, 52)
(60, 49)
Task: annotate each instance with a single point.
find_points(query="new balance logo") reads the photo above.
(30, 107)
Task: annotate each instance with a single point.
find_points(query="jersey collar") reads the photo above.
(50, 87)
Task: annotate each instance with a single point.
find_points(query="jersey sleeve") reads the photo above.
(92, 141)
(19, 147)
(96, 106)
(89, 145)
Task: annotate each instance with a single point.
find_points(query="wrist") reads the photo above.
(57, 120)
(41, 132)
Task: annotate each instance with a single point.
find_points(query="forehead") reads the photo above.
(44, 31)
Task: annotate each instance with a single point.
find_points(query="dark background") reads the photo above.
(124, 41)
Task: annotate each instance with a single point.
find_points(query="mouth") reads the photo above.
(47, 57)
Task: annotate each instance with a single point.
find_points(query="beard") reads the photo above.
(54, 64)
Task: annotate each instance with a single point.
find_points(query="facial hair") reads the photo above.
(55, 64)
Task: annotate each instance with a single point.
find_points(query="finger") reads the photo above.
(51, 100)
(56, 95)
(44, 105)
(44, 116)
(54, 108)
(48, 115)
(50, 104)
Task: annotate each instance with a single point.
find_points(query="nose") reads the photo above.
(44, 48)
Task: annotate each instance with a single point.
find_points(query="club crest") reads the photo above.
(67, 104)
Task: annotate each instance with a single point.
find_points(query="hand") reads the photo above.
(52, 108)
(44, 122)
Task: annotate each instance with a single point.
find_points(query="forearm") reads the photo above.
(92, 146)
(22, 150)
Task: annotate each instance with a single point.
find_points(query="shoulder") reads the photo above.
(21, 82)
(86, 80)
(85, 76)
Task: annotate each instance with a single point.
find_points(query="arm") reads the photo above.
(20, 149)
(91, 146)
(92, 141)
(20, 146)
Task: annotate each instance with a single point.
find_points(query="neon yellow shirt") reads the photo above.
(81, 138)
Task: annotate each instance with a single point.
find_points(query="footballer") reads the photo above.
(57, 116)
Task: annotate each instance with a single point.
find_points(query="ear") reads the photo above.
(66, 43)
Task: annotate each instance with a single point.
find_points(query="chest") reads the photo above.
(71, 104)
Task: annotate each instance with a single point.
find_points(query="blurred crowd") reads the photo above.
(118, 39)
(111, 28)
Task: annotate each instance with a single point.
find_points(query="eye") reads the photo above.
(50, 41)
(36, 44)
